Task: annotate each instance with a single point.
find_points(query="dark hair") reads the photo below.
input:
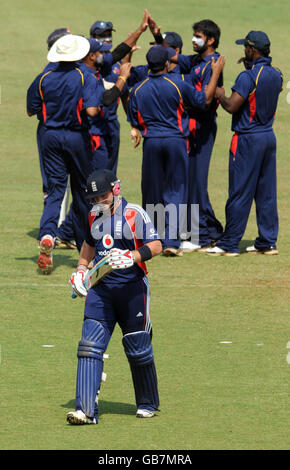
(209, 29)
(157, 67)
(55, 35)
(265, 51)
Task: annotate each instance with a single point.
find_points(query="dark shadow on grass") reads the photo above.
(108, 407)
(33, 233)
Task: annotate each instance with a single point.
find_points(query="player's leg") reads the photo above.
(211, 228)
(65, 232)
(57, 175)
(96, 333)
(266, 199)
(79, 148)
(134, 319)
(39, 138)
(175, 190)
(244, 167)
(114, 144)
(100, 152)
(152, 182)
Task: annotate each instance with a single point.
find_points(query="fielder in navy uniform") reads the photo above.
(202, 124)
(65, 98)
(252, 158)
(102, 31)
(157, 110)
(126, 233)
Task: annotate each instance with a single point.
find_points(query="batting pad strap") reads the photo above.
(89, 349)
(138, 348)
(92, 343)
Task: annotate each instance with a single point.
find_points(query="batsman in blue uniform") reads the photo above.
(252, 159)
(125, 233)
(157, 110)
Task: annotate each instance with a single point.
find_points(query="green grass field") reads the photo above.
(221, 326)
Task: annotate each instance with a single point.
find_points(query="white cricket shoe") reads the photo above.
(145, 413)
(188, 247)
(216, 251)
(270, 251)
(79, 417)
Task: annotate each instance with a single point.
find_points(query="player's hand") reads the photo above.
(80, 282)
(135, 136)
(218, 65)
(144, 24)
(125, 70)
(155, 30)
(120, 259)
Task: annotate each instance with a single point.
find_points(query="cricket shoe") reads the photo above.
(172, 252)
(216, 251)
(145, 413)
(44, 261)
(188, 247)
(79, 417)
(269, 251)
(60, 243)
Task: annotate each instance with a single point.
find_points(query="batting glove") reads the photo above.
(120, 259)
(80, 282)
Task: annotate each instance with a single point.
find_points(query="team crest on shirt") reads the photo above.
(108, 241)
(197, 70)
(116, 70)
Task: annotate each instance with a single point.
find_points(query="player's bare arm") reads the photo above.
(86, 254)
(124, 75)
(231, 104)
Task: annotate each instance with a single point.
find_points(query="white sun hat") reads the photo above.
(68, 48)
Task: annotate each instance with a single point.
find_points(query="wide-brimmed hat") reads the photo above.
(69, 48)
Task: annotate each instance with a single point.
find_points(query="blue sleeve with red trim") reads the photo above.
(193, 97)
(145, 229)
(92, 92)
(244, 85)
(33, 99)
(185, 63)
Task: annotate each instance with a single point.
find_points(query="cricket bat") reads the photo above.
(96, 274)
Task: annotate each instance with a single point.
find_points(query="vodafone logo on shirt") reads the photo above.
(108, 241)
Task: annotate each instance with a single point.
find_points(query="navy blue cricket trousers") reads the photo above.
(165, 181)
(100, 152)
(252, 177)
(199, 160)
(66, 152)
(126, 304)
(113, 143)
(39, 137)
